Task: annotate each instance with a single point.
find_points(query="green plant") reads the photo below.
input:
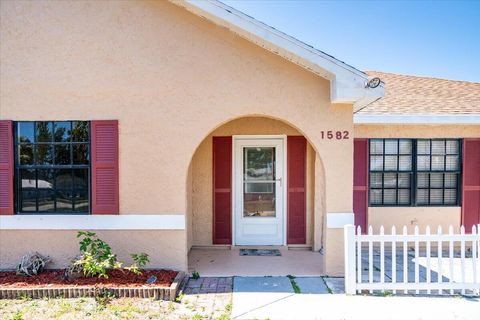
(195, 275)
(295, 286)
(18, 315)
(139, 261)
(97, 256)
(103, 297)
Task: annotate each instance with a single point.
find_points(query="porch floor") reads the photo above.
(228, 262)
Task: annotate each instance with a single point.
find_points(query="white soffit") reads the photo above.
(432, 119)
(347, 84)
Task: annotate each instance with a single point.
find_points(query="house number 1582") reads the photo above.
(338, 135)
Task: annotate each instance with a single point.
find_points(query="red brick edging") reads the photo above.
(163, 293)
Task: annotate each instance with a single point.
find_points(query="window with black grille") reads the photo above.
(390, 171)
(438, 172)
(52, 166)
(409, 172)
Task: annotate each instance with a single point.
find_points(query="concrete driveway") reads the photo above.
(275, 298)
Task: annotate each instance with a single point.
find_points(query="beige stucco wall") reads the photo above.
(170, 78)
(414, 216)
(165, 248)
(201, 213)
(411, 216)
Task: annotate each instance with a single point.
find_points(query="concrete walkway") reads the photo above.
(275, 298)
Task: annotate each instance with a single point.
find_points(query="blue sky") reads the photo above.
(425, 38)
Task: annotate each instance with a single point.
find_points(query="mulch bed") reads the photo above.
(117, 279)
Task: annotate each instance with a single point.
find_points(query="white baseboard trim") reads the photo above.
(93, 222)
(337, 220)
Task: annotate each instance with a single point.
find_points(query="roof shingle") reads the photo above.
(412, 95)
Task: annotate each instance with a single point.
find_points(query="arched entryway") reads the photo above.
(255, 181)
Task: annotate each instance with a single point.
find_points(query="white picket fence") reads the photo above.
(416, 263)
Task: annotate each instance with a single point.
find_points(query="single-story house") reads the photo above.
(166, 126)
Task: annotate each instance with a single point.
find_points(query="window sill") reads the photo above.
(93, 222)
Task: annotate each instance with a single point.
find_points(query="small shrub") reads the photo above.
(103, 297)
(195, 275)
(96, 256)
(139, 262)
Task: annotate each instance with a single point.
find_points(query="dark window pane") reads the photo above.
(405, 163)
(376, 147)
(436, 180)
(46, 201)
(45, 178)
(450, 180)
(391, 146)
(28, 201)
(391, 163)
(450, 196)
(438, 147)
(25, 154)
(28, 178)
(452, 163)
(80, 131)
(452, 147)
(25, 131)
(390, 180)
(423, 147)
(81, 201)
(438, 163)
(376, 163)
(62, 131)
(375, 180)
(376, 196)
(404, 196)
(80, 177)
(423, 163)
(389, 196)
(62, 154)
(64, 179)
(404, 180)
(80, 154)
(63, 199)
(436, 196)
(44, 154)
(44, 131)
(405, 146)
(422, 180)
(422, 196)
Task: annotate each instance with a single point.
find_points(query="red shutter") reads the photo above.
(6, 167)
(222, 190)
(471, 183)
(360, 182)
(296, 189)
(105, 199)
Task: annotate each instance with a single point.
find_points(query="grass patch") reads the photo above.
(295, 286)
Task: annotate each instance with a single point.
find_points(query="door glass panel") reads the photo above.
(259, 199)
(259, 163)
(259, 182)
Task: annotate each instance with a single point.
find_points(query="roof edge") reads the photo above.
(412, 119)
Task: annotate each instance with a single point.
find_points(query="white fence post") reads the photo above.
(349, 249)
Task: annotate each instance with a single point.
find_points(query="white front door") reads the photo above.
(259, 190)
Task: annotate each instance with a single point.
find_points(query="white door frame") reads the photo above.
(285, 182)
